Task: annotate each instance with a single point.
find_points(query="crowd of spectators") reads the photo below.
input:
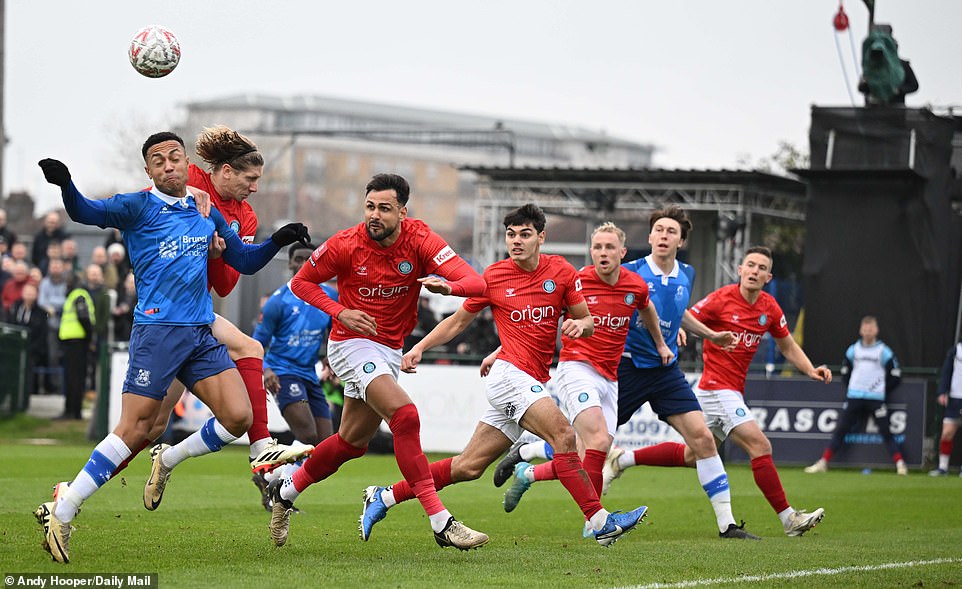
(36, 283)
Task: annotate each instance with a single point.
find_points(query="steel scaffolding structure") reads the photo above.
(736, 198)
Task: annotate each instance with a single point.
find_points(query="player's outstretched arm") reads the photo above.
(78, 207)
(249, 258)
(442, 333)
(794, 354)
(649, 317)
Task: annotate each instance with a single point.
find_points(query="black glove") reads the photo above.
(55, 172)
(290, 233)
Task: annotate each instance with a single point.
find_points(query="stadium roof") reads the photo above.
(748, 178)
(419, 117)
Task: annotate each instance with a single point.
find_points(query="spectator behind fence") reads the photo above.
(13, 289)
(54, 251)
(76, 329)
(18, 252)
(27, 313)
(53, 293)
(6, 269)
(118, 260)
(123, 311)
(98, 256)
(68, 252)
(6, 235)
(52, 230)
(101, 297)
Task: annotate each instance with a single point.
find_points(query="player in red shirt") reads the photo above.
(529, 292)
(587, 374)
(749, 312)
(381, 265)
(235, 168)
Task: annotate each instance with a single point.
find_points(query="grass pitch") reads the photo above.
(880, 530)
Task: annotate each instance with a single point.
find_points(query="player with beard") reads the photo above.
(381, 265)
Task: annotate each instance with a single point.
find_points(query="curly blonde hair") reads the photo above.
(220, 145)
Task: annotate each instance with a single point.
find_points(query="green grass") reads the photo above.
(211, 531)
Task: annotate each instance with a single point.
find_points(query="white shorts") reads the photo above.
(358, 361)
(581, 387)
(724, 410)
(510, 392)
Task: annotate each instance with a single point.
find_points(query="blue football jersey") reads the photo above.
(670, 293)
(167, 240)
(292, 331)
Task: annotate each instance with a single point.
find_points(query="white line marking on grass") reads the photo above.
(794, 574)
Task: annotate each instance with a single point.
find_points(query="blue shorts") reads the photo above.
(665, 388)
(953, 409)
(158, 353)
(295, 388)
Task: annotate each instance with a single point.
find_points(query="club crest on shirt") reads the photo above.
(537, 388)
(630, 299)
(168, 248)
(549, 286)
(235, 226)
(143, 378)
(368, 367)
(680, 293)
(762, 319)
(582, 397)
(405, 267)
(740, 412)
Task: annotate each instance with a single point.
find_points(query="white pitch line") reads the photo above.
(794, 574)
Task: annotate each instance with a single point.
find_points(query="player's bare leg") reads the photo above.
(248, 354)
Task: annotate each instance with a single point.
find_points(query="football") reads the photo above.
(154, 51)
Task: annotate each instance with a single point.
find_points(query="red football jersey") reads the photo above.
(727, 310)
(381, 281)
(241, 218)
(611, 309)
(526, 308)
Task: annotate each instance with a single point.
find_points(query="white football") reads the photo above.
(154, 51)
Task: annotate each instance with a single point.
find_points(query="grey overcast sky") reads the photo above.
(709, 82)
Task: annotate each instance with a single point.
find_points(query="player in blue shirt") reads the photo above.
(168, 241)
(292, 333)
(643, 379)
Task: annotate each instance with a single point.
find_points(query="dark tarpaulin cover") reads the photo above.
(881, 236)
